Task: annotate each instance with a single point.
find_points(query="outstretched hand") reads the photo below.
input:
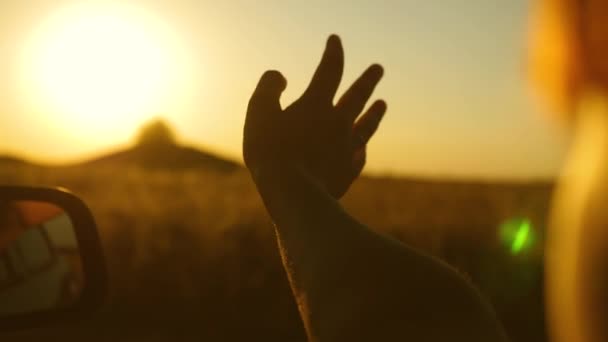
(326, 141)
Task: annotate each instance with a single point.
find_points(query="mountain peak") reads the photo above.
(157, 148)
(156, 132)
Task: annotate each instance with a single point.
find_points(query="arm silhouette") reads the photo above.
(350, 283)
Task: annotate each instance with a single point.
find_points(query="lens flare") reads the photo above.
(517, 235)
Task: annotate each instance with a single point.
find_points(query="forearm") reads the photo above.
(310, 225)
(350, 282)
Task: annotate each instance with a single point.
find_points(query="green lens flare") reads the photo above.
(520, 237)
(517, 235)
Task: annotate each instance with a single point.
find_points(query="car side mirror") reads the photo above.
(51, 261)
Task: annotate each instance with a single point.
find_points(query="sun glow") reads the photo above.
(100, 68)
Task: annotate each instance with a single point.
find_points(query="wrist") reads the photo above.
(266, 170)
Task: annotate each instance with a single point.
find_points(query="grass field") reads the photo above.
(192, 255)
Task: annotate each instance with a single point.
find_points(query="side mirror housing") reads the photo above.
(51, 261)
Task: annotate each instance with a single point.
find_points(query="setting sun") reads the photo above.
(100, 67)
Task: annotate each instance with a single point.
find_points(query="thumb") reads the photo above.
(262, 113)
(265, 98)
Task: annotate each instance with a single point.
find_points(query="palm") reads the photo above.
(325, 139)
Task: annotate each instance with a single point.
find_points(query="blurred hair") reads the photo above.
(555, 53)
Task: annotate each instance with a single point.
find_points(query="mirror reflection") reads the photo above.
(40, 264)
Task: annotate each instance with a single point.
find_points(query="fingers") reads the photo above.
(354, 99)
(265, 98)
(366, 126)
(326, 79)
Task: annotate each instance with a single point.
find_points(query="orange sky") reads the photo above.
(454, 80)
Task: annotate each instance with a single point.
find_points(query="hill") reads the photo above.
(10, 160)
(156, 148)
(166, 157)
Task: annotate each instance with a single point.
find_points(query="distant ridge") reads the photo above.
(156, 148)
(10, 160)
(164, 156)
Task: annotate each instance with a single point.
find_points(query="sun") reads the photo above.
(100, 68)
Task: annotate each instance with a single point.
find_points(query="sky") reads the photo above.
(458, 100)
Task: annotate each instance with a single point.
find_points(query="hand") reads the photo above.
(325, 140)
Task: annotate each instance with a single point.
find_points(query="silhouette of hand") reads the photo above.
(326, 141)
